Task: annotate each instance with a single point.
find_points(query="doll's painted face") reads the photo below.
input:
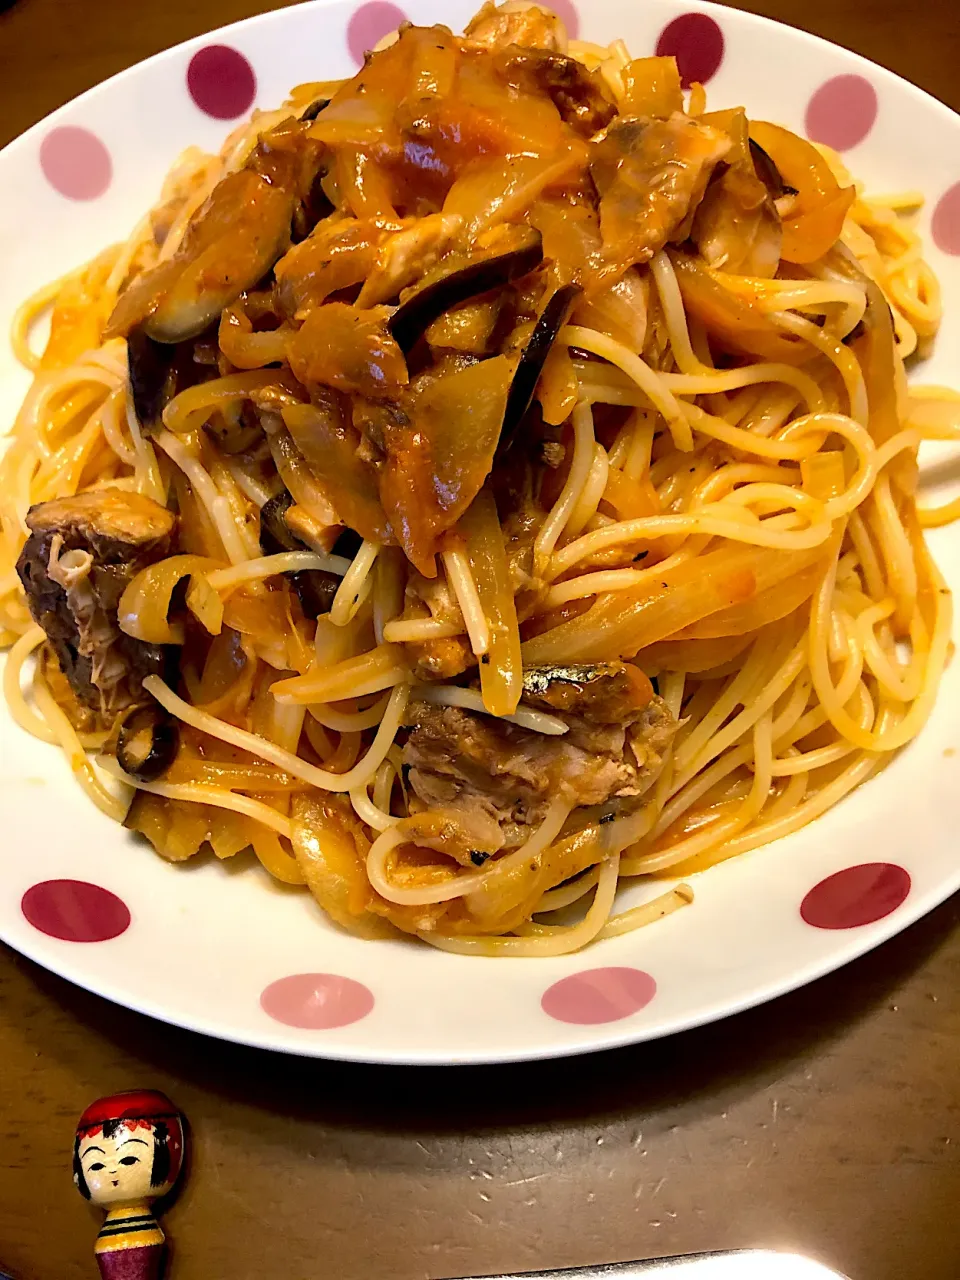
(118, 1163)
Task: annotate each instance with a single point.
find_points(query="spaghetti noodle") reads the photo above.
(488, 481)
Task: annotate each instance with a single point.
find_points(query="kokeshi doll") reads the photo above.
(128, 1153)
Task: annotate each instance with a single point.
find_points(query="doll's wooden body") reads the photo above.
(129, 1152)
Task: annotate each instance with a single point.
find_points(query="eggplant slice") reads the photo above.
(858, 330)
(347, 544)
(315, 588)
(552, 319)
(311, 210)
(275, 535)
(148, 741)
(580, 95)
(313, 110)
(768, 173)
(152, 371)
(413, 317)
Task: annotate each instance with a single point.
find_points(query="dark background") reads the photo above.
(826, 1122)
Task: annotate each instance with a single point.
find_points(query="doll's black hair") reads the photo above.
(78, 1177)
(161, 1155)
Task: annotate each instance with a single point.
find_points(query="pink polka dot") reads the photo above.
(842, 112)
(369, 24)
(316, 1001)
(599, 995)
(75, 911)
(945, 227)
(696, 41)
(76, 163)
(566, 11)
(856, 896)
(221, 82)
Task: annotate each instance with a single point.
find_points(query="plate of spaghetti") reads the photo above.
(477, 532)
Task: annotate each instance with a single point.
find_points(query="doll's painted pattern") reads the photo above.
(128, 1152)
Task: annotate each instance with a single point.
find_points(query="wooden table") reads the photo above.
(828, 1122)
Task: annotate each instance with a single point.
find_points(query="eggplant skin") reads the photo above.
(315, 588)
(313, 110)
(150, 364)
(580, 95)
(275, 536)
(598, 692)
(413, 317)
(552, 319)
(768, 173)
(164, 742)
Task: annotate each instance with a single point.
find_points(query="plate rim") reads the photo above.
(603, 1038)
(625, 1035)
(710, 7)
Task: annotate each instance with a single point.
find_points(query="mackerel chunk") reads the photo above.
(81, 555)
(618, 733)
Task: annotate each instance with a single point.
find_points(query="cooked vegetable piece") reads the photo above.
(580, 95)
(600, 692)
(551, 320)
(875, 347)
(531, 26)
(315, 588)
(147, 742)
(768, 173)
(815, 219)
(231, 244)
(330, 446)
(339, 254)
(275, 534)
(621, 309)
(466, 280)
(626, 622)
(651, 87)
(329, 845)
(737, 226)
(437, 464)
(468, 328)
(318, 521)
(151, 367)
(313, 208)
(501, 675)
(494, 194)
(733, 319)
(349, 348)
(313, 110)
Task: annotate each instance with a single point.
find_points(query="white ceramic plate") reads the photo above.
(205, 940)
